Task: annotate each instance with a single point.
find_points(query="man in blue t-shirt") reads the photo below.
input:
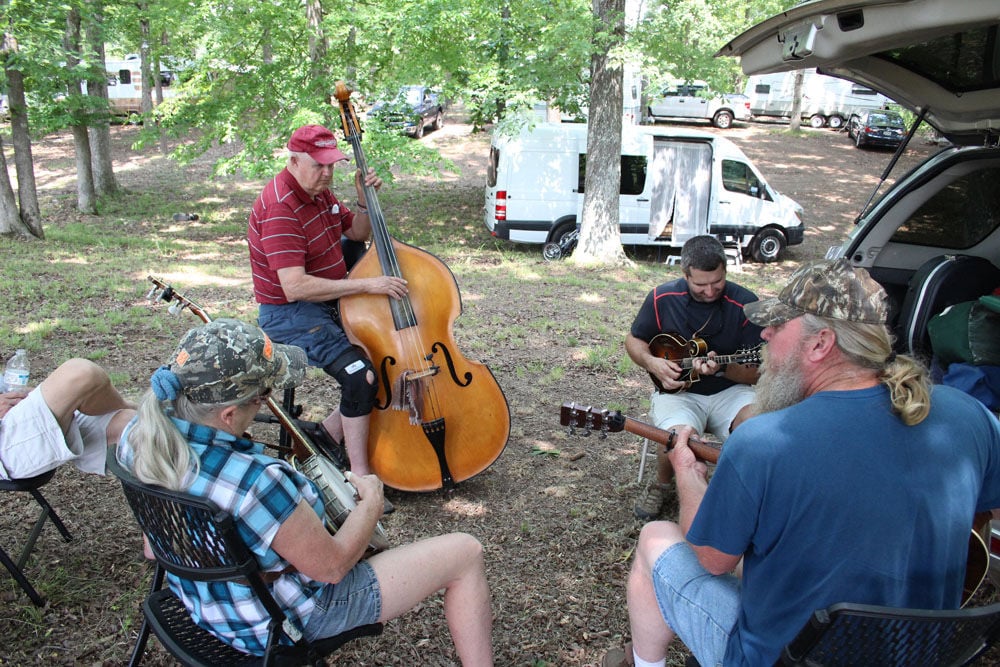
(694, 318)
(857, 482)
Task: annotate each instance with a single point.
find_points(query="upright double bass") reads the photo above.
(439, 418)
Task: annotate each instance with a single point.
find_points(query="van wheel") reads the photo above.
(560, 232)
(767, 245)
(419, 132)
(835, 122)
(438, 121)
(817, 121)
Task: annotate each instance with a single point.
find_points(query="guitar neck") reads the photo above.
(706, 451)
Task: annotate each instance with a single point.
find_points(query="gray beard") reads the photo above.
(780, 385)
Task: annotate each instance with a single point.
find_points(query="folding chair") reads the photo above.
(849, 635)
(857, 634)
(193, 539)
(31, 485)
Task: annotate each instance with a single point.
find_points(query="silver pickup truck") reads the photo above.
(693, 99)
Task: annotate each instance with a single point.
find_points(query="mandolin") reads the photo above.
(605, 421)
(683, 352)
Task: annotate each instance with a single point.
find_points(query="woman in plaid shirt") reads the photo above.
(186, 436)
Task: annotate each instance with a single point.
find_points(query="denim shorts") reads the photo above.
(706, 413)
(355, 600)
(311, 326)
(700, 607)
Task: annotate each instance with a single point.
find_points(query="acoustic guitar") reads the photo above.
(604, 421)
(683, 352)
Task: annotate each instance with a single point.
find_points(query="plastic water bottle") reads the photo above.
(17, 371)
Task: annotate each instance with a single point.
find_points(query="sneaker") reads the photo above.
(650, 503)
(617, 657)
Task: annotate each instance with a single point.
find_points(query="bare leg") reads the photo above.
(650, 633)
(409, 574)
(334, 426)
(82, 385)
(356, 443)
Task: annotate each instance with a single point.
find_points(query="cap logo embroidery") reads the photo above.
(268, 350)
(326, 142)
(182, 357)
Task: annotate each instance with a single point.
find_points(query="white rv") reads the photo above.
(125, 85)
(826, 100)
(676, 183)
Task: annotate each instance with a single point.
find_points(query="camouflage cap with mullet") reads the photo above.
(228, 360)
(830, 289)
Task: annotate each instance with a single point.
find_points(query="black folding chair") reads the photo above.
(31, 485)
(856, 634)
(193, 539)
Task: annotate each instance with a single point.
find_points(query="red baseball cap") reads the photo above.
(318, 142)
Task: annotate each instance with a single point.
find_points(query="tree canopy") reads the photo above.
(250, 72)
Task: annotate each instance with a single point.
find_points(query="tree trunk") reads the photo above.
(145, 69)
(796, 120)
(102, 165)
(10, 221)
(86, 200)
(27, 195)
(600, 234)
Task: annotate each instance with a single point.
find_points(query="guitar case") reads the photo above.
(940, 282)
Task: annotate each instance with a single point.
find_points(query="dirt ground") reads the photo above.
(554, 512)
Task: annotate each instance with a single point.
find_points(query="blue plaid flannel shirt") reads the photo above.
(260, 492)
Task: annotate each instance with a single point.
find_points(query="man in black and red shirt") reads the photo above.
(701, 305)
(294, 234)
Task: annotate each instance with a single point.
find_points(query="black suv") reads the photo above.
(413, 110)
(876, 127)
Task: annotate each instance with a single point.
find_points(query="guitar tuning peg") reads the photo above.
(152, 292)
(175, 308)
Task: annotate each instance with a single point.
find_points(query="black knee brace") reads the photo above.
(357, 394)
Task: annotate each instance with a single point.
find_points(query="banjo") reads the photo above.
(339, 495)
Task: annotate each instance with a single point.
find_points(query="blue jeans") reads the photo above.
(353, 601)
(310, 326)
(700, 607)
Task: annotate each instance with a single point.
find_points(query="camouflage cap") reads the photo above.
(228, 360)
(831, 289)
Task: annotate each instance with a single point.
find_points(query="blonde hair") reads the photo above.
(161, 453)
(869, 346)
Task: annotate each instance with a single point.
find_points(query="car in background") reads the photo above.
(876, 127)
(693, 99)
(412, 110)
(933, 238)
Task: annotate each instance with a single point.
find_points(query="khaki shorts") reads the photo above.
(31, 441)
(707, 414)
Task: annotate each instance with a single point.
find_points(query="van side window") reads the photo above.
(762, 88)
(973, 199)
(633, 180)
(738, 177)
(491, 167)
(125, 76)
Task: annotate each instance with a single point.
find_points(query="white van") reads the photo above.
(676, 183)
(826, 100)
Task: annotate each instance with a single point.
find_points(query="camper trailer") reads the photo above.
(826, 100)
(125, 85)
(676, 183)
